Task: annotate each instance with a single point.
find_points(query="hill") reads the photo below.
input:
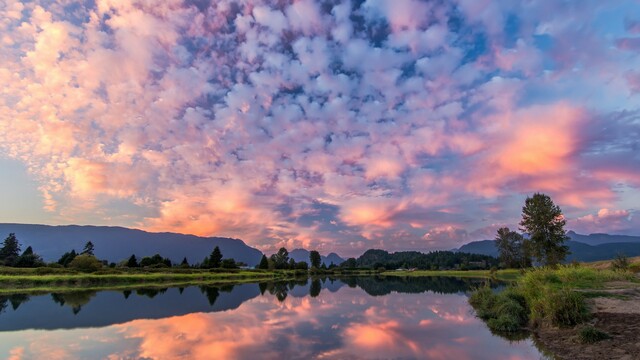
(579, 251)
(599, 239)
(303, 255)
(118, 243)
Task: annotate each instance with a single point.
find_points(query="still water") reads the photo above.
(348, 318)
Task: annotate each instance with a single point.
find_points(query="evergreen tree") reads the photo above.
(88, 249)
(544, 222)
(264, 263)
(315, 259)
(292, 264)
(132, 262)
(184, 263)
(215, 258)
(29, 259)
(10, 250)
(67, 257)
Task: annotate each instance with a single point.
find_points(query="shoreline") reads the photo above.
(37, 281)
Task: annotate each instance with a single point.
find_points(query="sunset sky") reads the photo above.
(333, 125)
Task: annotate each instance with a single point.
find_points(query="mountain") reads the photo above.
(118, 243)
(303, 255)
(579, 250)
(599, 239)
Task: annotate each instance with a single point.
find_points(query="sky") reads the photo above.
(334, 125)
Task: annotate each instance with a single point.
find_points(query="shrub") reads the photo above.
(85, 263)
(504, 312)
(566, 308)
(590, 335)
(620, 263)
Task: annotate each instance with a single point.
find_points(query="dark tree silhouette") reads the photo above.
(315, 259)
(315, 288)
(132, 262)
(264, 263)
(88, 248)
(10, 250)
(215, 258)
(67, 257)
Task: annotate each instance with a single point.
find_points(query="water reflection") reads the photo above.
(351, 318)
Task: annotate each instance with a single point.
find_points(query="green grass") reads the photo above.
(548, 296)
(109, 278)
(505, 275)
(590, 335)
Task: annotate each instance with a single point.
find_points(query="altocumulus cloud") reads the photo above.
(340, 125)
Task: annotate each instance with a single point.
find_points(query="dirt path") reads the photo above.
(616, 313)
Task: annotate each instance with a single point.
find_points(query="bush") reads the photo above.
(566, 308)
(504, 312)
(620, 263)
(85, 263)
(590, 335)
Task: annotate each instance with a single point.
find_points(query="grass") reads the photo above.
(31, 280)
(505, 275)
(543, 296)
(590, 335)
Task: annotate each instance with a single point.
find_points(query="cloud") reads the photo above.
(605, 220)
(403, 116)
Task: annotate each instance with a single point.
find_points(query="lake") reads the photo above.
(348, 318)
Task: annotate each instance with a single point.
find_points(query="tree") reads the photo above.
(543, 221)
(184, 263)
(10, 250)
(315, 288)
(264, 263)
(513, 248)
(86, 263)
(292, 263)
(215, 258)
(132, 262)
(350, 263)
(67, 257)
(29, 259)
(315, 259)
(229, 264)
(302, 265)
(281, 258)
(88, 249)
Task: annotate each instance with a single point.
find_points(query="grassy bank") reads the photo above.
(42, 279)
(505, 275)
(543, 297)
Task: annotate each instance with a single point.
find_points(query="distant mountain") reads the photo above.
(579, 250)
(118, 243)
(598, 239)
(303, 255)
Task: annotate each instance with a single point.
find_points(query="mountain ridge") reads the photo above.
(116, 243)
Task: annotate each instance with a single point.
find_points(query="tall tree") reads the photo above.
(512, 248)
(215, 258)
(543, 221)
(264, 263)
(88, 249)
(315, 259)
(67, 257)
(10, 250)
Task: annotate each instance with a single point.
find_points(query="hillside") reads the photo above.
(579, 251)
(118, 243)
(599, 239)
